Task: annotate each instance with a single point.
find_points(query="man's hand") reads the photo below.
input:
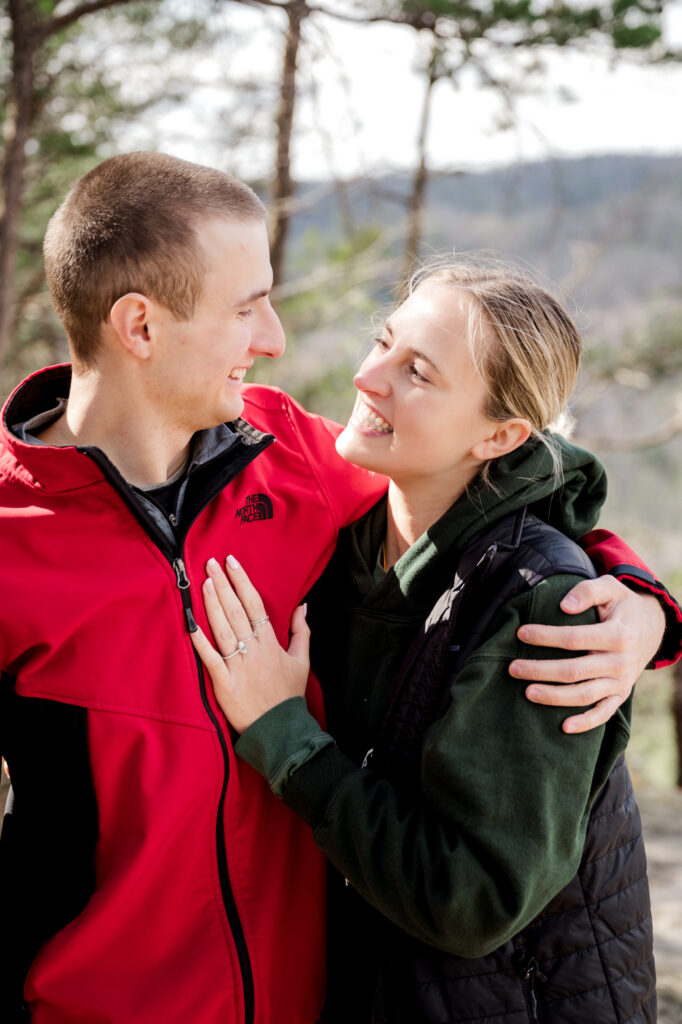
(620, 647)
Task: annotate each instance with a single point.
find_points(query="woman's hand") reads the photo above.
(251, 673)
(620, 647)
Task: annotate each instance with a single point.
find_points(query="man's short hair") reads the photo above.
(130, 225)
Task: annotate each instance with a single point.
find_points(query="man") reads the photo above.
(149, 875)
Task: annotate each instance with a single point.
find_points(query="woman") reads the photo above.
(503, 857)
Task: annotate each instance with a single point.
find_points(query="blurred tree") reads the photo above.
(33, 25)
(72, 82)
(475, 35)
(500, 41)
(677, 715)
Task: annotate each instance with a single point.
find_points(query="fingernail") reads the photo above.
(532, 693)
(208, 586)
(569, 727)
(568, 603)
(305, 609)
(232, 562)
(523, 633)
(515, 669)
(212, 564)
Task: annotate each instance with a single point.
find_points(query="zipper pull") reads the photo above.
(532, 974)
(533, 970)
(183, 586)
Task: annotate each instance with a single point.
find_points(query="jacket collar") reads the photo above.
(56, 469)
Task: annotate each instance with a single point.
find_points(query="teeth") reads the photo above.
(364, 415)
(237, 374)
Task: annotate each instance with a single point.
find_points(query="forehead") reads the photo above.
(216, 234)
(236, 255)
(435, 309)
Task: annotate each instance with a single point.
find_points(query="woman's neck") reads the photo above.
(409, 514)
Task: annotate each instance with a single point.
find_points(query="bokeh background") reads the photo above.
(378, 133)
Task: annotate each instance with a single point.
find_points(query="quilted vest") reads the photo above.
(587, 957)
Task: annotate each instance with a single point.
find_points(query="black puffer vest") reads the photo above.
(587, 958)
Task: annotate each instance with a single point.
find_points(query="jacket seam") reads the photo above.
(608, 896)
(311, 465)
(584, 949)
(118, 710)
(599, 953)
(614, 849)
(595, 988)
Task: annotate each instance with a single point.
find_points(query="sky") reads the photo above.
(624, 109)
(360, 107)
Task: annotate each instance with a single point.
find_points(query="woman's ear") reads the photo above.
(129, 317)
(505, 438)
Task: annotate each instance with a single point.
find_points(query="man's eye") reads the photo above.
(244, 314)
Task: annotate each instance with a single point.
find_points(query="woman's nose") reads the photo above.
(372, 378)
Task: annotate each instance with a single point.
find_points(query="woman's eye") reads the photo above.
(416, 375)
(381, 343)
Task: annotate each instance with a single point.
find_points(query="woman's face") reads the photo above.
(419, 406)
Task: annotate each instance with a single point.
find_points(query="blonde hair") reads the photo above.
(523, 343)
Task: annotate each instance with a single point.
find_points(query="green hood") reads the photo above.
(526, 477)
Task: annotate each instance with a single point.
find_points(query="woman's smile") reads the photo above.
(366, 420)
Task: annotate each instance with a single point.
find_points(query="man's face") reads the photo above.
(202, 361)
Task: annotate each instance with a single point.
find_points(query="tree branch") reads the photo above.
(666, 432)
(56, 24)
(425, 20)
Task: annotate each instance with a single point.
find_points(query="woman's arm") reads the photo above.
(499, 827)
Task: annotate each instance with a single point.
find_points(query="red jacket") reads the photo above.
(92, 616)
(206, 903)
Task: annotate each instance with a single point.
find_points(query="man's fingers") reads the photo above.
(589, 593)
(597, 715)
(578, 695)
(564, 670)
(598, 636)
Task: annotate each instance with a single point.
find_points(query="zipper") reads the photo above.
(530, 973)
(174, 555)
(183, 585)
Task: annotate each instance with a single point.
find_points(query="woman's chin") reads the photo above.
(353, 447)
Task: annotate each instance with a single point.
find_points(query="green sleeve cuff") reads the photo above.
(282, 740)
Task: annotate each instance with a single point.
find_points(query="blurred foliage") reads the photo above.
(94, 81)
(652, 751)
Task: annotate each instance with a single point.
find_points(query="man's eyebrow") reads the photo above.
(415, 351)
(254, 296)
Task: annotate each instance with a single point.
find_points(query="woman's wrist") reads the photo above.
(281, 740)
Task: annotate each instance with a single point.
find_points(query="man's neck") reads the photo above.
(145, 449)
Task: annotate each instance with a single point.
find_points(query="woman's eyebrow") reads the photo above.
(415, 352)
(422, 355)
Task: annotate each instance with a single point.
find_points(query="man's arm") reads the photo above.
(641, 627)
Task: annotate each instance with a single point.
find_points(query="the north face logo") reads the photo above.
(258, 506)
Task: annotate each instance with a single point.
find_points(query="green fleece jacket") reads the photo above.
(498, 826)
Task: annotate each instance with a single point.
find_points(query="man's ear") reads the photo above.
(505, 438)
(129, 319)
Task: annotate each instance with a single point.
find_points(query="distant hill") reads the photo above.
(609, 228)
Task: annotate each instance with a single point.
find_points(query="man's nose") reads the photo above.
(268, 337)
